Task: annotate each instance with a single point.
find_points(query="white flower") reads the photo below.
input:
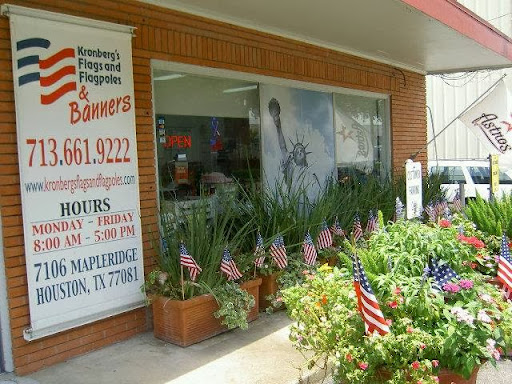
(487, 298)
(462, 315)
(492, 350)
(483, 317)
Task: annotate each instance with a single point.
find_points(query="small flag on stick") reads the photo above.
(442, 274)
(278, 252)
(505, 267)
(431, 212)
(336, 228)
(228, 266)
(188, 261)
(456, 203)
(324, 237)
(308, 248)
(372, 224)
(259, 252)
(357, 230)
(368, 305)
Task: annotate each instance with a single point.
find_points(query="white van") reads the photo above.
(475, 174)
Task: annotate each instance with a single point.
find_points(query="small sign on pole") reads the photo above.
(413, 186)
(495, 174)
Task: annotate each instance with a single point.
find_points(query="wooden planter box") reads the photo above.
(448, 377)
(268, 287)
(188, 322)
(445, 376)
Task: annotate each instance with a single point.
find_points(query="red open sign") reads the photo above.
(179, 141)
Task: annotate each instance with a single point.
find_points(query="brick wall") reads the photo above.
(173, 36)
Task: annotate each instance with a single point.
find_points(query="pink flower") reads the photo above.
(451, 287)
(305, 272)
(435, 363)
(415, 365)
(393, 304)
(397, 291)
(310, 277)
(389, 322)
(445, 223)
(422, 346)
(363, 366)
(466, 284)
(435, 378)
(410, 329)
(349, 357)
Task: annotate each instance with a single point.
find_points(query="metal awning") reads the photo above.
(426, 36)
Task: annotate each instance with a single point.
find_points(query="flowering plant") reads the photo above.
(457, 326)
(486, 259)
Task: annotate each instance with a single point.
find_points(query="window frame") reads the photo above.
(162, 65)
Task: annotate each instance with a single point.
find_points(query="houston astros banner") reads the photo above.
(75, 119)
(490, 120)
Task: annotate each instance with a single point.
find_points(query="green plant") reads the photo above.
(206, 228)
(492, 217)
(234, 305)
(456, 326)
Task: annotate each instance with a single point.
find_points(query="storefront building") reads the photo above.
(179, 105)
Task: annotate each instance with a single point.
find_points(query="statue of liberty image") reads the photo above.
(297, 157)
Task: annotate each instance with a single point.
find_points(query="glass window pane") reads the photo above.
(449, 174)
(207, 134)
(480, 175)
(362, 135)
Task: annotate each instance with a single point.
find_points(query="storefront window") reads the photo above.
(207, 133)
(362, 135)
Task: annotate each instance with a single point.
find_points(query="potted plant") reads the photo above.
(197, 290)
(435, 331)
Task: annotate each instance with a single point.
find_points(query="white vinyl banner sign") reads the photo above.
(490, 120)
(414, 189)
(75, 117)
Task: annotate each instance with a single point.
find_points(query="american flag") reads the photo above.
(308, 248)
(442, 274)
(440, 207)
(372, 224)
(399, 209)
(228, 266)
(259, 252)
(278, 252)
(431, 212)
(336, 228)
(367, 302)
(324, 237)
(505, 267)
(357, 230)
(456, 203)
(188, 261)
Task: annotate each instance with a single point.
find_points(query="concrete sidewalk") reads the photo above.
(261, 355)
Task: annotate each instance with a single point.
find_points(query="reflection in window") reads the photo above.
(449, 175)
(207, 133)
(362, 135)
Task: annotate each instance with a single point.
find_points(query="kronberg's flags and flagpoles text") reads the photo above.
(491, 121)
